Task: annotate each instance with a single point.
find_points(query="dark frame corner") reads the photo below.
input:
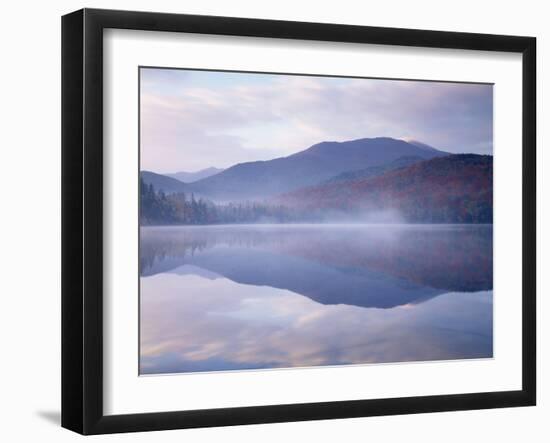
(82, 151)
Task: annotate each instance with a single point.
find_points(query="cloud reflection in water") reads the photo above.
(194, 323)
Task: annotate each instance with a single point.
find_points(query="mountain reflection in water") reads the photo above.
(269, 296)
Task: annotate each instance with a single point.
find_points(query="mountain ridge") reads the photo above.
(321, 161)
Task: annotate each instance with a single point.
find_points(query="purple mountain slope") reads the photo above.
(262, 179)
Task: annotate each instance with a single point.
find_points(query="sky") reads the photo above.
(191, 120)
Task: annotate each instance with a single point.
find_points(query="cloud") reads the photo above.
(194, 119)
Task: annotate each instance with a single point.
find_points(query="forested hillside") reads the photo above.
(451, 189)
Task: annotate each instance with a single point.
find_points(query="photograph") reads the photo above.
(297, 221)
(292, 218)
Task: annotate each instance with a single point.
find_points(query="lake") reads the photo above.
(235, 297)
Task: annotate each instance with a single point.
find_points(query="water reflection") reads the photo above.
(243, 297)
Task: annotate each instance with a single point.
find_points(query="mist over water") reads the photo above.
(280, 296)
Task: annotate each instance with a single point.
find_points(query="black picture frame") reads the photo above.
(82, 220)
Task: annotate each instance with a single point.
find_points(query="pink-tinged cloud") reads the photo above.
(196, 119)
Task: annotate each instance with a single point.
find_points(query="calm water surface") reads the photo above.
(278, 296)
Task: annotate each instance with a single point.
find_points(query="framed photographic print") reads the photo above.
(269, 221)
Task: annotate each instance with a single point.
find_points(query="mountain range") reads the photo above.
(371, 180)
(264, 179)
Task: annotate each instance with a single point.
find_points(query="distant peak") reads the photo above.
(209, 169)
